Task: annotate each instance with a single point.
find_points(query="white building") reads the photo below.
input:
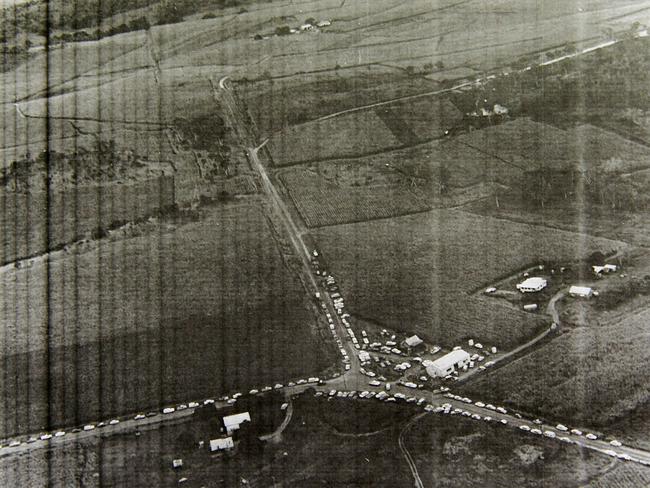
(413, 341)
(364, 356)
(232, 422)
(448, 363)
(581, 291)
(531, 285)
(221, 444)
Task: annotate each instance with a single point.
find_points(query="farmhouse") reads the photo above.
(607, 268)
(531, 285)
(413, 341)
(232, 422)
(581, 291)
(221, 444)
(448, 363)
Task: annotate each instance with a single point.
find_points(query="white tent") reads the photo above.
(232, 422)
(448, 363)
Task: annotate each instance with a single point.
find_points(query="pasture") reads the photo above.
(591, 375)
(181, 313)
(416, 273)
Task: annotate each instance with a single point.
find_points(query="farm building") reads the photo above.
(221, 444)
(413, 341)
(531, 285)
(608, 268)
(448, 363)
(232, 422)
(581, 291)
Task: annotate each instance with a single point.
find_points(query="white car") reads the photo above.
(14, 444)
(502, 410)
(591, 437)
(565, 439)
(253, 392)
(278, 386)
(266, 388)
(550, 434)
(489, 406)
(609, 452)
(536, 431)
(193, 404)
(236, 395)
(168, 410)
(182, 406)
(208, 401)
(140, 416)
(374, 383)
(46, 437)
(60, 433)
(114, 422)
(525, 428)
(476, 416)
(89, 427)
(562, 428)
(480, 404)
(615, 443)
(504, 421)
(487, 418)
(624, 457)
(576, 432)
(232, 401)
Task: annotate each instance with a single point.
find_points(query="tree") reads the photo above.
(440, 65)
(310, 21)
(284, 30)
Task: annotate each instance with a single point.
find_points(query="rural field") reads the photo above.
(357, 444)
(416, 273)
(179, 313)
(591, 375)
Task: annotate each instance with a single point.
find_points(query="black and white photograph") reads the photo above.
(325, 243)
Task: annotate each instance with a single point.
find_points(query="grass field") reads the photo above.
(355, 134)
(623, 476)
(174, 315)
(415, 273)
(321, 204)
(591, 375)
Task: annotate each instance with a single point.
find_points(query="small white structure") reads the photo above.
(232, 422)
(448, 363)
(221, 444)
(177, 463)
(581, 291)
(364, 356)
(324, 23)
(413, 341)
(532, 285)
(607, 268)
(500, 109)
(530, 307)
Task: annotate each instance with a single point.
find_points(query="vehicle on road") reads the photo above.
(562, 428)
(374, 383)
(89, 427)
(140, 416)
(168, 410)
(524, 428)
(576, 432)
(615, 443)
(591, 437)
(114, 422)
(59, 433)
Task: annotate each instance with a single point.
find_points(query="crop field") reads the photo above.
(524, 142)
(355, 134)
(280, 103)
(579, 384)
(169, 316)
(414, 121)
(415, 273)
(29, 227)
(321, 204)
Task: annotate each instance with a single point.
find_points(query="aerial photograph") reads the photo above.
(325, 243)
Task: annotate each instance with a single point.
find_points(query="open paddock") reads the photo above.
(177, 314)
(416, 273)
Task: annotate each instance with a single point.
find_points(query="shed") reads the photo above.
(581, 291)
(448, 363)
(531, 285)
(221, 444)
(413, 341)
(177, 463)
(232, 422)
